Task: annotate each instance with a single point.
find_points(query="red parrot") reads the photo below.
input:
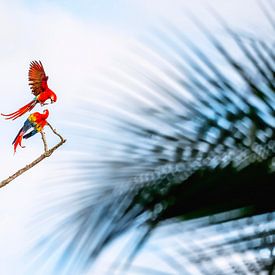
(39, 87)
(36, 121)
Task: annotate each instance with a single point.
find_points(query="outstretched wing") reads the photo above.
(37, 77)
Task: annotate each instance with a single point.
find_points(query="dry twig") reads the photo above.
(47, 153)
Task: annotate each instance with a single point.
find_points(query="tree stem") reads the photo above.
(47, 153)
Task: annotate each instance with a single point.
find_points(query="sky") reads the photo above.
(78, 43)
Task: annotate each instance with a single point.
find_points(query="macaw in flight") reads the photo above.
(36, 122)
(39, 87)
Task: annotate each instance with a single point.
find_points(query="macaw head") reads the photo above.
(45, 113)
(53, 97)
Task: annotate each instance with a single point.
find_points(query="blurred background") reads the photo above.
(168, 112)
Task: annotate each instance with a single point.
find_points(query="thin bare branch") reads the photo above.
(47, 153)
(44, 141)
(55, 132)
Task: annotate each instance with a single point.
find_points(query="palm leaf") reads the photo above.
(202, 145)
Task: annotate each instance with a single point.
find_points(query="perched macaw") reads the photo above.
(36, 121)
(39, 87)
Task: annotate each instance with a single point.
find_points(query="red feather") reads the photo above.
(21, 111)
(39, 87)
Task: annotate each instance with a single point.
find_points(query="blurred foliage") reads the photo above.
(186, 158)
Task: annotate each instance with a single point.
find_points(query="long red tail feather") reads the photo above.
(21, 111)
(18, 140)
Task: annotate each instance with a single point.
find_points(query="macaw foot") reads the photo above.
(43, 104)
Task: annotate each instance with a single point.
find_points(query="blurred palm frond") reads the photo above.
(199, 142)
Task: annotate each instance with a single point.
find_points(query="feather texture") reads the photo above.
(36, 122)
(39, 87)
(37, 77)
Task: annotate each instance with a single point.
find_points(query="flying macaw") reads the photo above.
(39, 87)
(37, 121)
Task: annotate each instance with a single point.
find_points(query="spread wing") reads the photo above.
(37, 77)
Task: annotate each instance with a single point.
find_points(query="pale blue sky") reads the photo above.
(78, 41)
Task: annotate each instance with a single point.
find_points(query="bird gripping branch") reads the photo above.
(36, 122)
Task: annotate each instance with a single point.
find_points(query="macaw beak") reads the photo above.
(52, 101)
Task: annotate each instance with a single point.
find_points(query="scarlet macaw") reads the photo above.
(37, 121)
(39, 87)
